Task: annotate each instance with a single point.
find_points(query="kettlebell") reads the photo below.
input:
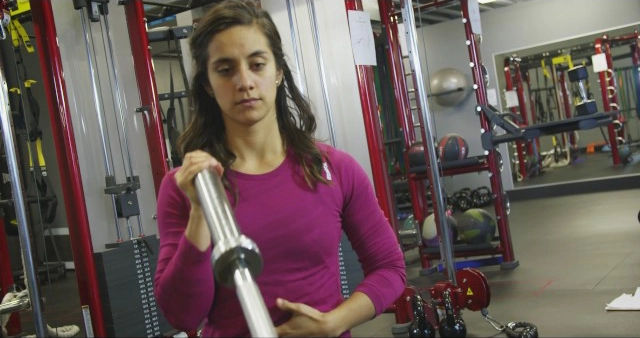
(420, 327)
(453, 326)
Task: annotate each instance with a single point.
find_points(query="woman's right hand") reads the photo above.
(193, 163)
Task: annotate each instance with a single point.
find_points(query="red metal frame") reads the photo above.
(522, 103)
(508, 77)
(608, 84)
(158, 155)
(70, 176)
(505, 247)
(373, 129)
(13, 326)
(534, 115)
(568, 106)
(602, 46)
(375, 143)
(417, 189)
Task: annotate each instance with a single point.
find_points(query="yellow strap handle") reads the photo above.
(41, 161)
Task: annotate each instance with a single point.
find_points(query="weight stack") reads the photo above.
(350, 271)
(125, 276)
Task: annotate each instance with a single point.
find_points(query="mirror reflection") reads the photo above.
(597, 72)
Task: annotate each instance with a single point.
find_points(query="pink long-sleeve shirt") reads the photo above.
(297, 230)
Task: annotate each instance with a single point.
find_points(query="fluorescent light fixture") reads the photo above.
(485, 1)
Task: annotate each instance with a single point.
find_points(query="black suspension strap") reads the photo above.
(172, 125)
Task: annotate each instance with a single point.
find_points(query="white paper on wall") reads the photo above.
(362, 44)
(599, 62)
(511, 96)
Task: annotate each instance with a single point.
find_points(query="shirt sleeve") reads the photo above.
(370, 234)
(183, 282)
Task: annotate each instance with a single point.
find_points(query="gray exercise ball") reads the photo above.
(449, 87)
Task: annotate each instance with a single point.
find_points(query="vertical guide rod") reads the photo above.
(325, 91)
(291, 13)
(122, 107)
(21, 214)
(97, 100)
(446, 244)
(236, 259)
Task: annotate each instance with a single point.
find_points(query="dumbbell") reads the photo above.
(579, 74)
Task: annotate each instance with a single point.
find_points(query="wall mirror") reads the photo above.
(547, 93)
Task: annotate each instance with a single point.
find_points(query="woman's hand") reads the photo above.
(192, 164)
(306, 321)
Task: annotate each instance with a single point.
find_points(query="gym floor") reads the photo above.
(576, 253)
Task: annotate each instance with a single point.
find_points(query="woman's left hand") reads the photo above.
(305, 321)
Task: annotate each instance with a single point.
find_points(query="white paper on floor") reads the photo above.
(625, 302)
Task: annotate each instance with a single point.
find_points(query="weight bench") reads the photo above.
(514, 132)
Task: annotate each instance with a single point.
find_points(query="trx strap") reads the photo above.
(172, 125)
(19, 34)
(43, 194)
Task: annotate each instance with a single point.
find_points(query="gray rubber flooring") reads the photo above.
(576, 253)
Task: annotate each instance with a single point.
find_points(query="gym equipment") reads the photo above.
(409, 232)
(513, 329)
(446, 300)
(452, 147)
(580, 75)
(88, 213)
(235, 258)
(449, 87)
(430, 235)
(416, 154)
(420, 326)
(471, 293)
(452, 325)
(433, 175)
(170, 118)
(609, 89)
(481, 197)
(21, 214)
(461, 200)
(476, 226)
(513, 132)
(123, 196)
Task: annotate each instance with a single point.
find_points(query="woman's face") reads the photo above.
(243, 77)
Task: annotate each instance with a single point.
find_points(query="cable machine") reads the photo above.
(77, 207)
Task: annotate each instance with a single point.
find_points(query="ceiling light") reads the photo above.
(485, 1)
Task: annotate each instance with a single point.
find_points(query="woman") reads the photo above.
(293, 196)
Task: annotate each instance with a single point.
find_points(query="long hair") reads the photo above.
(206, 129)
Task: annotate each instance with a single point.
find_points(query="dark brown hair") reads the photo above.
(206, 130)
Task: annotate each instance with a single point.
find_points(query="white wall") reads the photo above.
(510, 28)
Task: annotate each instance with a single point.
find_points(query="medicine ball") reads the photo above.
(449, 86)
(452, 147)
(476, 226)
(416, 155)
(430, 231)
